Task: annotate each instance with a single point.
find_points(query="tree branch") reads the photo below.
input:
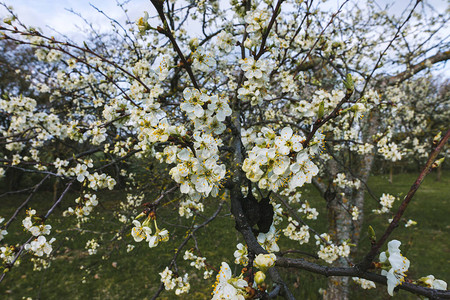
(438, 57)
(355, 272)
(167, 32)
(365, 264)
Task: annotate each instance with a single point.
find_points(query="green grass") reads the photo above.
(113, 273)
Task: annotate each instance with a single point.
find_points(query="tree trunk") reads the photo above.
(364, 173)
(340, 230)
(341, 225)
(337, 288)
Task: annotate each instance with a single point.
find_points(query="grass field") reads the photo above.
(113, 273)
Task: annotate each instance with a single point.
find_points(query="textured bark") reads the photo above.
(364, 173)
(341, 225)
(340, 230)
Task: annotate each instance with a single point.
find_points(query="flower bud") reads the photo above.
(260, 277)
(265, 261)
(372, 235)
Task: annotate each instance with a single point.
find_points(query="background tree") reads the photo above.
(244, 114)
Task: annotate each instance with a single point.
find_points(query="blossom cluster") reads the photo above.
(40, 264)
(3, 232)
(310, 109)
(85, 205)
(364, 283)
(330, 252)
(40, 246)
(180, 284)
(7, 254)
(386, 202)
(189, 206)
(355, 213)
(26, 117)
(92, 246)
(198, 170)
(206, 112)
(33, 224)
(257, 73)
(271, 165)
(143, 231)
(296, 232)
(311, 213)
(389, 150)
(198, 262)
(342, 182)
(130, 206)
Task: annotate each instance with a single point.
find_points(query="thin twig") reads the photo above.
(365, 264)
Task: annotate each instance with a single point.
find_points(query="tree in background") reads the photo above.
(262, 100)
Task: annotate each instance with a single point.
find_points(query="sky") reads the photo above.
(47, 14)
(55, 14)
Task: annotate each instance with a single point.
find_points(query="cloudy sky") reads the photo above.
(55, 14)
(48, 14)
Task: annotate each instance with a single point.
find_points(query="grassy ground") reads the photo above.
(113, 273)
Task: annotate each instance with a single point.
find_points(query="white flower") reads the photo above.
(225, 41)
(265, 261)
(193, 106)
(365, 284)
(399, 265)
(227, 287)
(159, 236)
(287, 141)
(410, 223)
(7, 254)
(40, 230)
(80, 171)
(439, 285)
(2, 231)
(220, 106)
(203, 61)
(431, 282)
(304, 170)
(241, 254)
(160, 133)
(269, 240)
(140, 232)
(280, 164)
(40, 246)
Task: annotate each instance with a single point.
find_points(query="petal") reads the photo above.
(153, 241)
(393, 246)
(198, 111)
(286, 133)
